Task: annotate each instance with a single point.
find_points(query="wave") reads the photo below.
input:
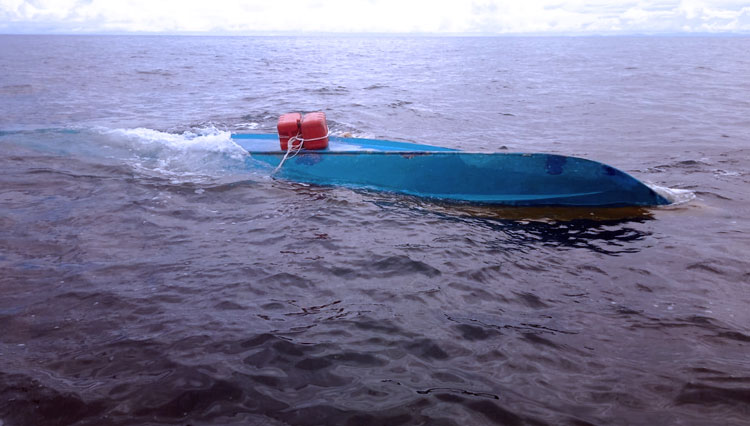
(208, 140)
(197, 155)
(675, 196)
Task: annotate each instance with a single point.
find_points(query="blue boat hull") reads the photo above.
(485, 178)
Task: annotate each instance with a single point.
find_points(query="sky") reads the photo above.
(375, 16)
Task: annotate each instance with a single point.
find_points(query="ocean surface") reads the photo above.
(149, 276)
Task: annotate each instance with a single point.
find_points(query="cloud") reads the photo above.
(422, 16)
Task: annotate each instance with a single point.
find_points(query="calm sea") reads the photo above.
(148, 276)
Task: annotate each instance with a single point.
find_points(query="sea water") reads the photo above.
(151, 273)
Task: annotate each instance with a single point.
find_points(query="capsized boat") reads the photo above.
(513, 179)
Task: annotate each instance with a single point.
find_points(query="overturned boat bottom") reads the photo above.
(500, 179)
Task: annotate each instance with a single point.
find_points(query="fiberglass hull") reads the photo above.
(514, 179)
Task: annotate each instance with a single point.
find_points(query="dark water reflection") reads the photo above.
(603, 230)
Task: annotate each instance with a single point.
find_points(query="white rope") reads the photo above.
(290, 147)
(316, 139)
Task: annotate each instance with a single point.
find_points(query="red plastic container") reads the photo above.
(315, 130)
(289, 127)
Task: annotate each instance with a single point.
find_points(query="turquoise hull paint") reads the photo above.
(439, 173)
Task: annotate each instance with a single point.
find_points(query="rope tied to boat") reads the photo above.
(289, 148)
(296, 149)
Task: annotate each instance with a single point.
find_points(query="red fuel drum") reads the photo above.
(315, 131)
(289, 127)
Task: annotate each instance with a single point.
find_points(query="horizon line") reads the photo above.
(383, 34)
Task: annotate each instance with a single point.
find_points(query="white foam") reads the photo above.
(248, 126)
(673, 195)
(205, 140)
(188, 156)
